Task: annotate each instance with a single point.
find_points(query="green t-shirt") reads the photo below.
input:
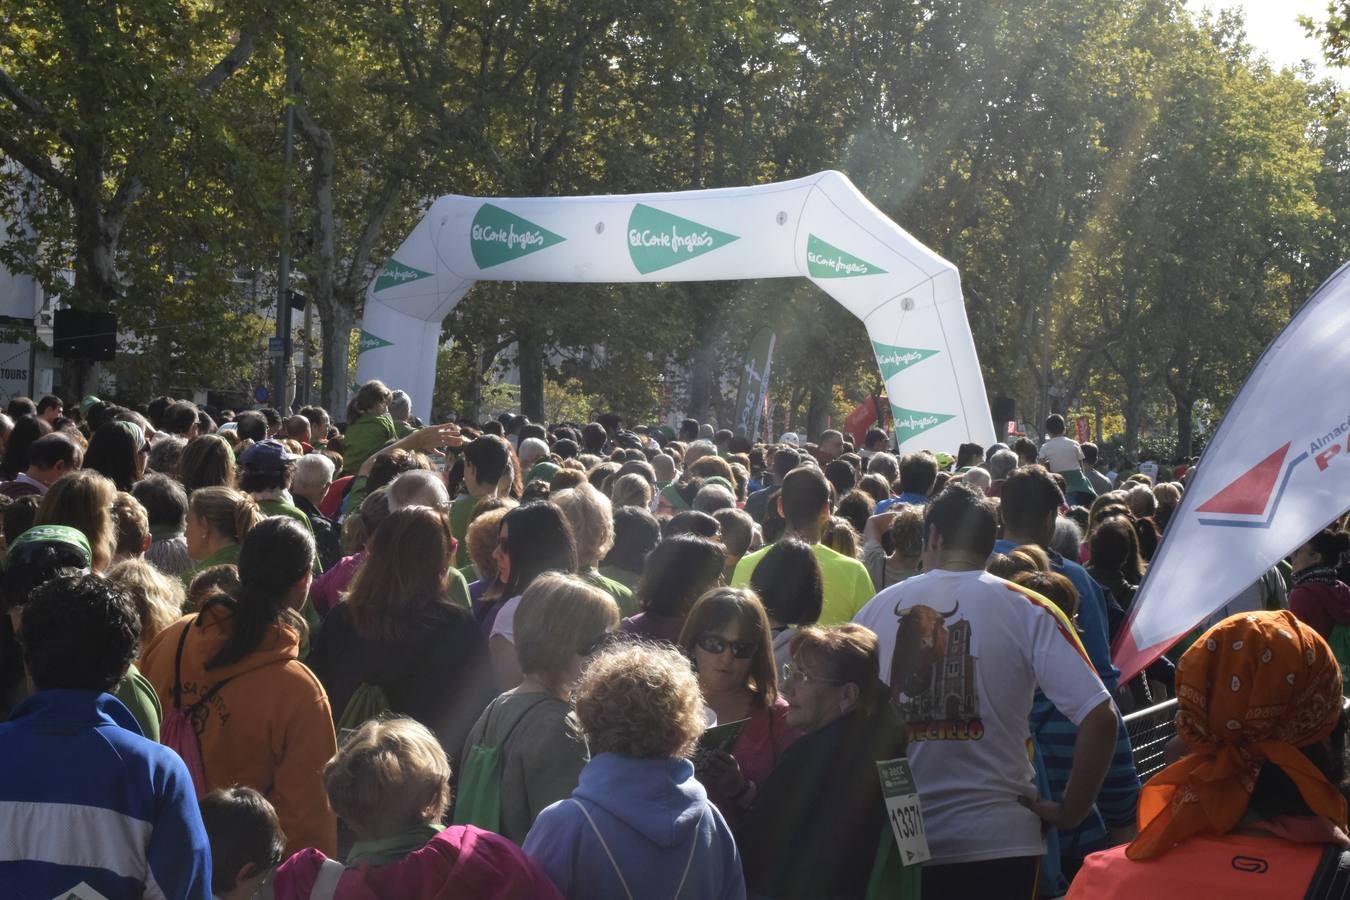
(364, 437)
(459, 590)
(620, 592)
(461, 511)
(847, 585)
(227, 555)
(138, 695)
(277, 507)
(622, 576)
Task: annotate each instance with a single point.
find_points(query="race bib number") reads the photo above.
(902, 808)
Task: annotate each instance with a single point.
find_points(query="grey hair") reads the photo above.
(531, 451)
(418, 487)
(1067, 538)
(697, 450)
(1001, 464)
(312, 470)
(712, 497)
(979, 478)
(165, 453)
(400, 406)
(885, 465)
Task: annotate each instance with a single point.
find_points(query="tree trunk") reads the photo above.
(1185, 425)
(530, 362)
(336, 322)
(702, 378)
(1134, 412)
(822, 406)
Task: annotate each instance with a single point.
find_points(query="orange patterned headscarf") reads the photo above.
(1253, 689)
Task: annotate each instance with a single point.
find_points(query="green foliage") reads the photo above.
(1136, 201)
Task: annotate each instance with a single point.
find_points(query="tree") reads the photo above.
(98, 101)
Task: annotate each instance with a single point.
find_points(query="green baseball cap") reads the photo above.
(26, 545)
(87, 402)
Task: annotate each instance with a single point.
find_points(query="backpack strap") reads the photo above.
(693, 845)
(326, 882)
(177, 665)
(688, 863)
(501, 745)
(612, 861)
(1331, 878)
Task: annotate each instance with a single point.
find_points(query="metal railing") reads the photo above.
(1150, 730)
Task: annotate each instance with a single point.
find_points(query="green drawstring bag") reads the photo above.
(890, 880)
(367, 702)
(1340, 647)
(479, 798)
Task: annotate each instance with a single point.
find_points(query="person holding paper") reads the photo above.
(817, 823)
(727, 637)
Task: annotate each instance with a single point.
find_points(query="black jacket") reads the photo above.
(438, 674)
(817, 820)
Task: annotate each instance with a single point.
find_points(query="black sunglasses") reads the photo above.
(716, 645)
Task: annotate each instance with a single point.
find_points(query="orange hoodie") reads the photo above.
(269, 728)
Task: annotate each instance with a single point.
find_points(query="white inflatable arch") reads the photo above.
(819, 227)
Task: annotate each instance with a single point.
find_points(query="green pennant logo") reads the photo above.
(896, 359)
(395, 273)
(371, 342)
(911, 422)
(498, 236)
(658, 239)
(824, 260)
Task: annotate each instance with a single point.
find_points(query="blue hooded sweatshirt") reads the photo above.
(652, 814)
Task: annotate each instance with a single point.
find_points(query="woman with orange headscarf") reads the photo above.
(1254, 809)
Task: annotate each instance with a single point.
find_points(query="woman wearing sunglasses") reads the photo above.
(727, 637)
(816, 824)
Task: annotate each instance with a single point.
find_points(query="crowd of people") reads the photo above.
(249, 654)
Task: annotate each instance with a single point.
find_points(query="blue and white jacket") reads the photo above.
(85, 798)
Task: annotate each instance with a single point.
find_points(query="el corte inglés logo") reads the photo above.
(395, 273)
(912, 422)
(371, 342)
(824, 260)
(658, 239)
(497, 236)
(893, 360)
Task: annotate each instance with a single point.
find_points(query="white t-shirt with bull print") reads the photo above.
(963, 653)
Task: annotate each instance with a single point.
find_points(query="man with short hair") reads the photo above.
(875, 441)
(1029, 506)
(593, 438)
(180, 418)
(1062, 455)
(318, 425)
(486, 460)
(885, 465)
(689, 431)
(829, 446)
(784, 461)
(251, 425)
(298, 428)
(85, 800)
(804, 504)
(1100, 483)
(49, 457)
(918, 474)
(50, 408)
(963, 653)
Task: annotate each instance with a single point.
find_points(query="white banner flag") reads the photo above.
(1276, 471)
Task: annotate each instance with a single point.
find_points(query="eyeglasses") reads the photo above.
(717, 645)
(793, 673)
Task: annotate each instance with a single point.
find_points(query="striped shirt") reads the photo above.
(84, 798)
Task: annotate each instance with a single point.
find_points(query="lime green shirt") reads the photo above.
(138, 695)
(461, 511)
(847, 585)
(620, 592)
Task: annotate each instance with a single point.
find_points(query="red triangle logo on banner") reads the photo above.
(1249, 492)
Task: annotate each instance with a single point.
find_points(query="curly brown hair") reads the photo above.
(641, 700)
